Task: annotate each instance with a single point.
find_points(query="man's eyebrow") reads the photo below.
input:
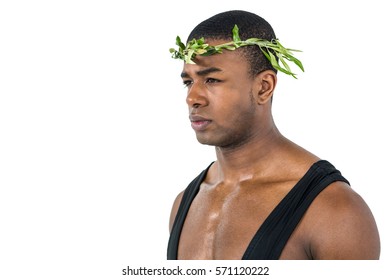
(203, 72)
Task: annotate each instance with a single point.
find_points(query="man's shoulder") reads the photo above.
(341, 225)
(175, 208)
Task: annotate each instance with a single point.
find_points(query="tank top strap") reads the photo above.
(188, 196)
(273, 234)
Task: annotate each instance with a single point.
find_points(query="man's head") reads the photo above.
(229, 94)
(219, 27)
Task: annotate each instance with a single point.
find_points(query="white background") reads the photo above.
(95, 141)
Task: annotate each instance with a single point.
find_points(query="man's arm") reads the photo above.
(342, 226)
(175, 207)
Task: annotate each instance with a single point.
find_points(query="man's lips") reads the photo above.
(199, 123)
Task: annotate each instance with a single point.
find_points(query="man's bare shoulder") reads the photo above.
(340, 225)
(175, 208)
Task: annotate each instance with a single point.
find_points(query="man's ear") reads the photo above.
(265, 86)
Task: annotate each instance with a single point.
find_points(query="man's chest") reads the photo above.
(221, 223)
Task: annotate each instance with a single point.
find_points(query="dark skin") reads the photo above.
(256, 167)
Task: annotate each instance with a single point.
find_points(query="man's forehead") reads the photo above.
(223, 62)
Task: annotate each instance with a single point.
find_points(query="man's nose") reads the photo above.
(196, 96)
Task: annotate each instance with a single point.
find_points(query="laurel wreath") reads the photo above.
(271, 49)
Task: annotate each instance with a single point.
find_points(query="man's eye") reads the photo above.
(211, 81)
(187, 83)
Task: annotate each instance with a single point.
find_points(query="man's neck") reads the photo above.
(244, 162)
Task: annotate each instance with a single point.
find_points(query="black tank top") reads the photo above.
(273, 234)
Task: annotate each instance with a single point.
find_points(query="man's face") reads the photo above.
(220, 101)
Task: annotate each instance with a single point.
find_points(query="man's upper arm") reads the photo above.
(175, 207)
(345, 227)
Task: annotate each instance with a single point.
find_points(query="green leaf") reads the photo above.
(236, 37)
(285, 64)
(270, 49)
(179, 43)
(297, 62)
(200, 51)
(230, 48)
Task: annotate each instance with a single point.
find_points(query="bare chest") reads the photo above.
(222, 222)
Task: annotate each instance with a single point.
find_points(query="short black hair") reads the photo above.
(219, 27)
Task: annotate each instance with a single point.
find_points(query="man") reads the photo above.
(264, 197)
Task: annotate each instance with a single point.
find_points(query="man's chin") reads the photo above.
(209, 141)
(205, 141)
